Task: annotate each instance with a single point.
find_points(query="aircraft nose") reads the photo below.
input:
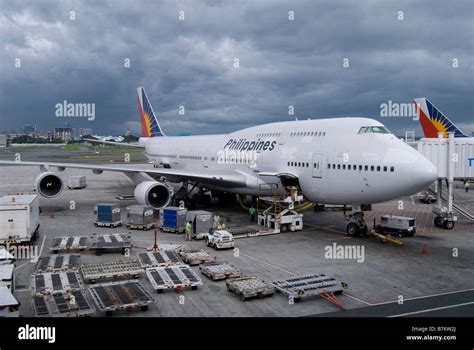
(424, 172)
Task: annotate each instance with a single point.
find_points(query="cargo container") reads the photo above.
(140, 214)
(76, 182)
(202, 222)
(8, 304)
(173, 219)
(7, 278)
(107, 213)
(19, 219)
(5, 256)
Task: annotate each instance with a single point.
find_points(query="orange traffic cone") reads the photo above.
(425, 249)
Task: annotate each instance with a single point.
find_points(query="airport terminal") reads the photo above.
(278, 219)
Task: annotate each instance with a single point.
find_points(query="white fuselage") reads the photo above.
(334, 162)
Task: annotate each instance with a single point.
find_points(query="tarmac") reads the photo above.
(431, 273)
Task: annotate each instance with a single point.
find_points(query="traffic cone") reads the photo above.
(425, 249)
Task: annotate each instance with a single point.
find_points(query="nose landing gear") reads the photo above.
(358, 226)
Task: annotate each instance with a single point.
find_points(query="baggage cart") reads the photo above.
(123, 295)
(248, 287)
(159, 258)
(196, 257)
(173, 277)
(221, 270)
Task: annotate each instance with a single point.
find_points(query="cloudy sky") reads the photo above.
(77, 51)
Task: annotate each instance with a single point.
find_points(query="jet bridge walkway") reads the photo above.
(454, 159)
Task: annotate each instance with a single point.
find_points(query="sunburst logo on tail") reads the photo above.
(149, 122)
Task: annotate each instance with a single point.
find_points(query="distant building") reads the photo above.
(29, 129)
(3, 140)
(65, 134)
(77, 133)
(86, 131)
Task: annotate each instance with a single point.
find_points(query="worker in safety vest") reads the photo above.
(252, 212)
(188, 230)
(466, 185)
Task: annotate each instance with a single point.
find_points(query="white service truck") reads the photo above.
(400, 226)
(220, 239)
(19, 219)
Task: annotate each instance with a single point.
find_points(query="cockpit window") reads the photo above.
(374, 130)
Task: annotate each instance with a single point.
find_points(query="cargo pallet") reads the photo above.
(55, 282)
(113, 270)
(102, 243)
(176, 230)
(173, 277)
(76, 187)
(250, 231)
(57, 305)
(218, 271)
(67, 244)
(144, 227)
(125, 295)
(112, 224)
(299, 287)
(196, 257)
(56, 263)
(159, 258)
(248, 287)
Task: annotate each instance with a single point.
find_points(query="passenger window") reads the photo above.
(334, 166)
(378, 168)
(339, 166)
(360, 167)
(344, 166)
(366, 167)
(307, 165)
(392, 169)
(384, 168)
(349, 167)
(372, 168)
(329, 166)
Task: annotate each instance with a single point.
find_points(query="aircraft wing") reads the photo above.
(125, 144)
(217, 177)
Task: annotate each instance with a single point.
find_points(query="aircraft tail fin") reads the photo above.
(148, 120)
(432, 120)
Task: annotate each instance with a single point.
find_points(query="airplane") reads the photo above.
(432, 120)
(341, 161)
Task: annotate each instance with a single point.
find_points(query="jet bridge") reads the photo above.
(454, 159)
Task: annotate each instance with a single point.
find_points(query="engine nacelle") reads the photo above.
(48, 184)
(153, 193)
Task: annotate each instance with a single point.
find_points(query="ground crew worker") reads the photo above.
(466, 185)
(189, 227)
(217, 221)
(252, 212)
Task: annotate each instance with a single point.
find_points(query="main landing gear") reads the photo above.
(357, 226)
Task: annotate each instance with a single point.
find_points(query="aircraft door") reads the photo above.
(317, 165)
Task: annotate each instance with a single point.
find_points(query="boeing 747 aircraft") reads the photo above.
(353, 161)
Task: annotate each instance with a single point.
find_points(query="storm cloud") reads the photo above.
(77, 51)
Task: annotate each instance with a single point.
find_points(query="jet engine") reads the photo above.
(48, 184)
(153, 193)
